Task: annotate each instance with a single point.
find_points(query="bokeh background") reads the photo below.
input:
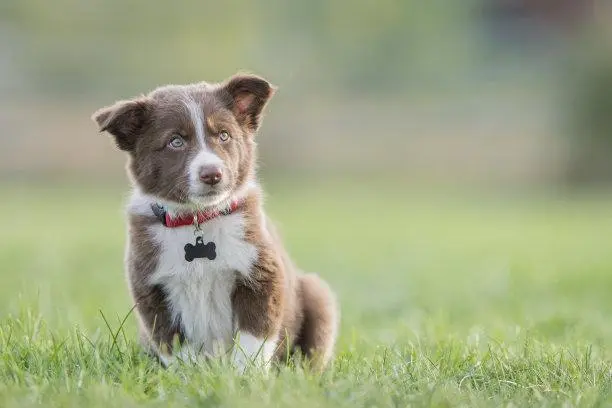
(445, 164)
(485, 92)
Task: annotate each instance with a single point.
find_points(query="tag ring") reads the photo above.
(196, 224)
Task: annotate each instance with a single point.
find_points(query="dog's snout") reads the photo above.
(210, 175)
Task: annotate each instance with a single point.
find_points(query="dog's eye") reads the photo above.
(224, 136)
(176, 143)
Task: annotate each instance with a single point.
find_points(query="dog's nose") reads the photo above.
(210, 175)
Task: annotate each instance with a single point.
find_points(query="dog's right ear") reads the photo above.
(125, 120)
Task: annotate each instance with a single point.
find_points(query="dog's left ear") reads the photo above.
(247, 96)
(125, 120)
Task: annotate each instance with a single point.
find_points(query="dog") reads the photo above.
(206, 269)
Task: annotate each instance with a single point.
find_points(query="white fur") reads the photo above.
(204, 158)
(199, 292)
(252, 350)
(140, 203)
(197, 117)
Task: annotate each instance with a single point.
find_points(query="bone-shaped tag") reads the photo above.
(200, 250)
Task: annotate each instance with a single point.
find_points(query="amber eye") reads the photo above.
(224, 136)
(176, 142)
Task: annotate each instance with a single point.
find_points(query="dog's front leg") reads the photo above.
(157, 330)
(258, 303)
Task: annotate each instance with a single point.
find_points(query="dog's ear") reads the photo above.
(125, 120)
(247, 95)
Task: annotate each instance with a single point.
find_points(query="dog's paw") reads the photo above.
(250, 352)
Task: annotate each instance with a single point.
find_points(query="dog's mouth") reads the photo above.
(208, 198)
(208, 194)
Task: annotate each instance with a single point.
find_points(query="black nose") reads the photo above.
(210, 175)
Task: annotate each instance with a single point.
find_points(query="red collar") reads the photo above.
(189, 219)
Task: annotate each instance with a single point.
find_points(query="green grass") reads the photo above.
(447, 300)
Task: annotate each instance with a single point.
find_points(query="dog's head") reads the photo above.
(190, 144)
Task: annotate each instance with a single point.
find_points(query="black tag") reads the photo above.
(199, 250)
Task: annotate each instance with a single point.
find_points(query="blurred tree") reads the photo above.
(71, 46)
(590, 118)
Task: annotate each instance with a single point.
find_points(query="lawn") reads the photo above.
(448, 299)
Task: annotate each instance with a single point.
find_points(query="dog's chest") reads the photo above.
(199, 290)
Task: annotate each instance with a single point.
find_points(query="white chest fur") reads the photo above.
(199, 292)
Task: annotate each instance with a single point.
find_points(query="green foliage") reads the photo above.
(74, 47)
(595, 100)
(447, 300)
(589, 94)
(76, 370)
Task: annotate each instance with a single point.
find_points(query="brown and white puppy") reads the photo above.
(191, 152)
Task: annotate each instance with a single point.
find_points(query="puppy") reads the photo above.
(204, 264)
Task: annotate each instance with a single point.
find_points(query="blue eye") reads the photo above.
(224, 136)
(176, 143)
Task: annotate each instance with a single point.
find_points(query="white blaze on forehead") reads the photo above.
(205, 157)
(197, 116)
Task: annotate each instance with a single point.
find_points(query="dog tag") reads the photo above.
(200, 250)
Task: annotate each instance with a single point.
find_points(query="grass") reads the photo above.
(447, 300)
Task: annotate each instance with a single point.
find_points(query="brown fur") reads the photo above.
(156, 328)
(258, 301)
(318, 329)
(275, 300)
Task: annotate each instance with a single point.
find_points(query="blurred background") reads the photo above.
(483, 92)
(461, 150)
